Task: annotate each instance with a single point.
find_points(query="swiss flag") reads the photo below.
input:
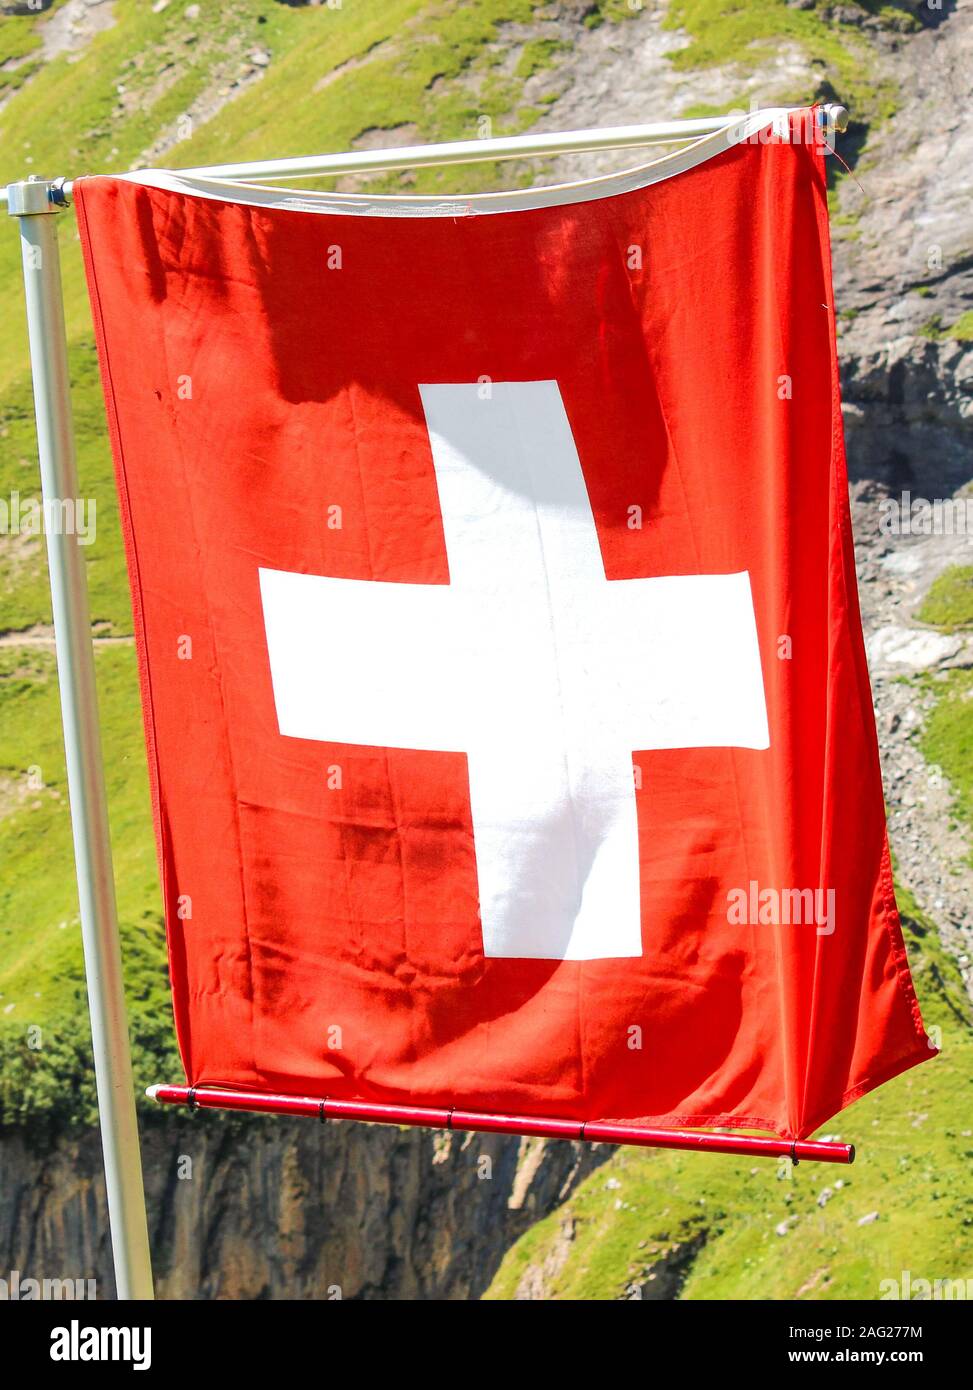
(506, 707)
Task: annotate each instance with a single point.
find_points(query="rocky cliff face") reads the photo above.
(903, 268)
(253, 1207)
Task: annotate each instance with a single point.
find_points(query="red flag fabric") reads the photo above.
(507, 714)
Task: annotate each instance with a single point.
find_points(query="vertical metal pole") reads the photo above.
(32, 204)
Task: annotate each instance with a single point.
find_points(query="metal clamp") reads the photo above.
(35, 196)
(59, 193)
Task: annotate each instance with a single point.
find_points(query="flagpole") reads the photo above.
(538, 144)
(34, 204)
(535, 144)
(439, 1117)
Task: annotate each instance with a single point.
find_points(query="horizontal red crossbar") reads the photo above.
(214, 1098)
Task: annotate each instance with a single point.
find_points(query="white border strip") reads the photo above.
(369, 205)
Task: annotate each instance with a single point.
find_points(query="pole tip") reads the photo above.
(152, 1091)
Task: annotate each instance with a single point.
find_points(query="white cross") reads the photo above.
(545, 673)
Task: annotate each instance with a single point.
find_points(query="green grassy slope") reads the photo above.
(333, 74)
(949, 602)
(947, 738)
